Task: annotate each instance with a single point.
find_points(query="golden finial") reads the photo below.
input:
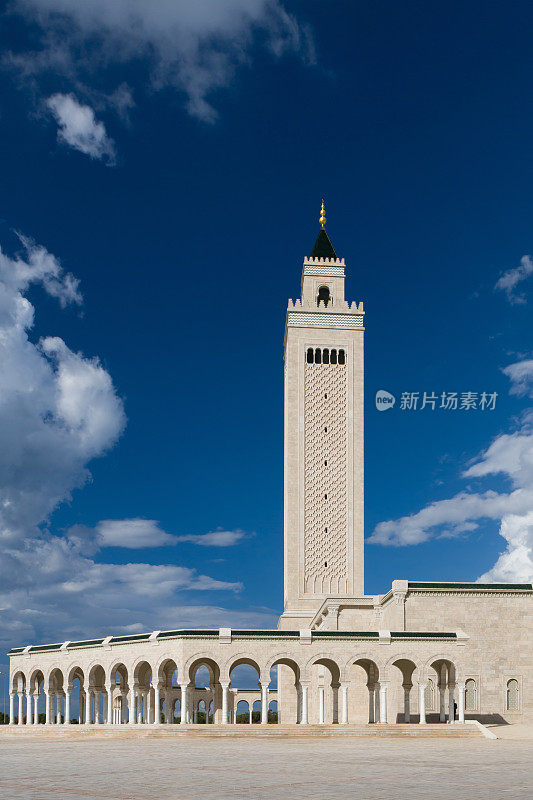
(322, 218)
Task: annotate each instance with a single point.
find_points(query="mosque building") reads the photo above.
(422, 652)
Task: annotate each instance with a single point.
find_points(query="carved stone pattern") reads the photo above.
(321, 412)
(335, 271)
(324, 320)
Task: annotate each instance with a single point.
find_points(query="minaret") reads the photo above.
(323, 497)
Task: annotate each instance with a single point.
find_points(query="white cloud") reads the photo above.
(79, 129)
(216, 538)
(194, 46)
(521, 376)
(516, 563)
(132, 533)
(509, 280)
(58, 410)
(510, 455)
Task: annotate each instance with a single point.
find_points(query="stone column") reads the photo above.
(21, 710)
(47, 706)
(407, 704)
(67, 706)
(29, 716)
(88, 707)
(422, 702)
(335, 704)
(320, 705)
(109, 716)
(371, 705)
(442, 691)
(169, 708)
(224, 720)
(11, 708)
(461, 702)
(250, 711)
(344, 699)
(264, 703)
(58, 708)
(383, 703)
(35, 709)
(304, 710)
(451, 709)
(183, 703)
(157, 705)
(131, 707)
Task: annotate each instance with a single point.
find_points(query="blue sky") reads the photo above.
(171, 158)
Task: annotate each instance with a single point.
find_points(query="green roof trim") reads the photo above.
(422, 635)
(85, 643)
(323, 247)
(199, 632)
(137, 637)
(239, 634)
(39, 648)
(451, 585)
(345, 634)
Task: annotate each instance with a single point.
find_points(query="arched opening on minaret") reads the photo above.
(323, 295)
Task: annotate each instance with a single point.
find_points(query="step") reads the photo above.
(457, 731)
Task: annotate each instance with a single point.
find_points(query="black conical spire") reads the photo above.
(323, 247)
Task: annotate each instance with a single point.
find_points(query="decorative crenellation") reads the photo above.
(351, 308)
(325, 503)
(334, 262)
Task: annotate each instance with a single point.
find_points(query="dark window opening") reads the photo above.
(325, 563)
(310, 355)
(333, 356)
(323, 295)
(341, 357)
(325, 530)
(325, 356)
(318, 356)
(325, 463)
(325, 430)
(325, 497)
(325, 397)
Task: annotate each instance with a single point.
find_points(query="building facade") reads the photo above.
(423, 651)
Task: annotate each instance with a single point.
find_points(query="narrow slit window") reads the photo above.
(309, 355)
(333, 356)
(318, 356)
(341, 357)
(325, 356)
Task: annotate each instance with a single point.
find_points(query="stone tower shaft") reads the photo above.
(323, 470)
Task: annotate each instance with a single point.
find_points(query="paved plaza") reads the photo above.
(244, 769)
